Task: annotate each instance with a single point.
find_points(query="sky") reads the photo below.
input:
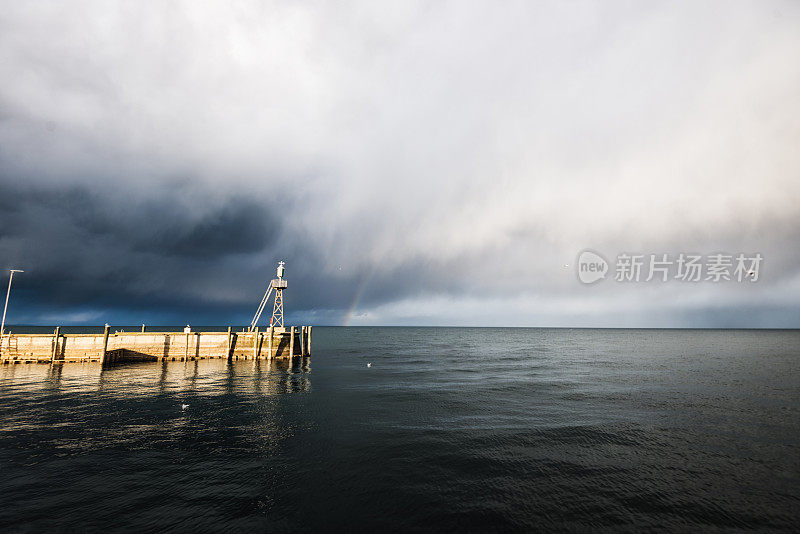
(413, 163)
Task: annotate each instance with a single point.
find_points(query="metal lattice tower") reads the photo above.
(278, 284)
(277, 310)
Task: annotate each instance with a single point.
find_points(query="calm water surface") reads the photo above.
(449, 429)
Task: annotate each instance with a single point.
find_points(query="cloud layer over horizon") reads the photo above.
(413, 163)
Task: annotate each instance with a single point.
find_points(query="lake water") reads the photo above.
(449, 429)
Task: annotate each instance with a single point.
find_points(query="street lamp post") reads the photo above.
(10, 278)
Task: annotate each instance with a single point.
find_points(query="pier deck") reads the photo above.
(108, 347)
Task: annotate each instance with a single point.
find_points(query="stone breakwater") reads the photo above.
(108, 347)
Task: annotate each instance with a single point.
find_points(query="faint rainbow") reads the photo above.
(357, 297)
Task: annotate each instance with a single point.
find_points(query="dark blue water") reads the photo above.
(449, 429)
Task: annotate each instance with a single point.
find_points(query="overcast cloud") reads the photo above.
(412, 162)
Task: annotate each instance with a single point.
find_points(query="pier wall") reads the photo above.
(153, 346)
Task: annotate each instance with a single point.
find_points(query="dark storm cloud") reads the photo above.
(119, 250)
(157, 225)
(411, 162)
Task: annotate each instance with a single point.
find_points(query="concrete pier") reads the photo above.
(118, 347)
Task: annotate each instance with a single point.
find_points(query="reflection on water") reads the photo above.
(155, 400)
(199, 377)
